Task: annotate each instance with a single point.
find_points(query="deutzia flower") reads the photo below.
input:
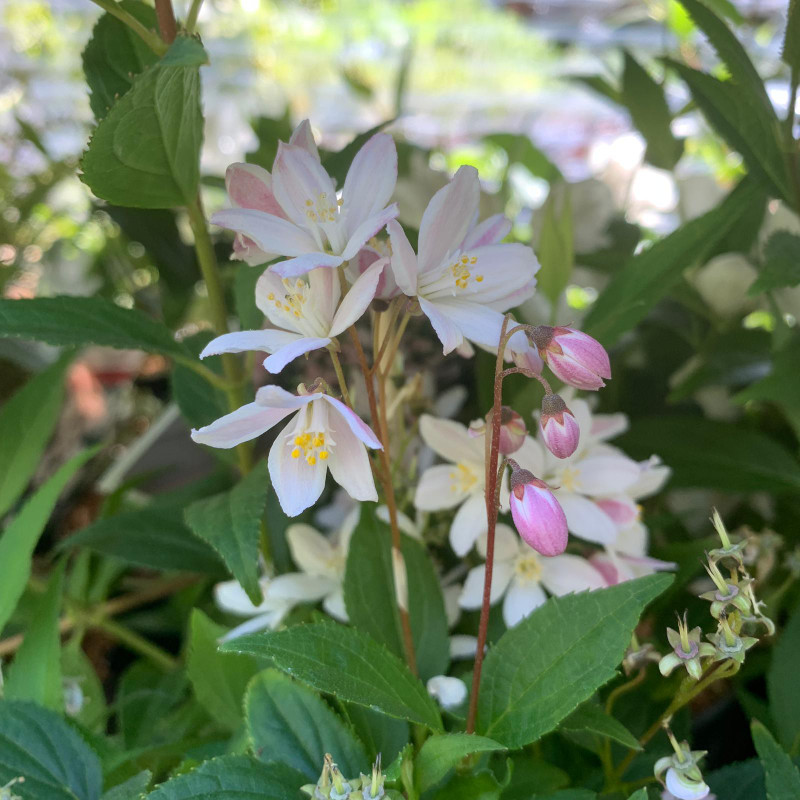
(324, 433)
(298, 214)
(521, 576)
(462, 277)
(306, 314)
(232, 598)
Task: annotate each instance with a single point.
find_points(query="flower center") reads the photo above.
(463, 479)
(569, 479)
(322, 209)
(528, 568)
(461, 271)
(310, 446)
(296, 296)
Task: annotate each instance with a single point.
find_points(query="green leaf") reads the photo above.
(80, 677)
(742, 781)
(570, 794)
(780, 774)
(289, 723)
(115, 54)
(379, 733)
(600, 85)
(68, 320)
(150, 537)
(145, 153)
(20, 537)
(37, 744)
(35, 673)
(251, 317)
(219, 679)
(649, 276)
(556, 658)
(199, 401)
(233, 778)
(27, 421)
(556, 250)
(639, 794)
(791, 39)
(442, 753)
(231, 523)
(784, 699)
(781, 263)
(588, 725)
(346, 663)
(475, 786)
(337, 164)
(521, 150)
(714, 455)
(647, 105)
(370, 595)
(131, 789)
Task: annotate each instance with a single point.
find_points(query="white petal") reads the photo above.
(567, 573)
(448, 332)
(348, 461)
(585, 519)
(367, 229)
(270, 233)
(463, 647)
(302, 136)
(531, 456)
(277, 397)
(652, 477)
(370, 181)
(311, 551)
(447, 218)
(451, 440)
(334, 605)
(685, 789)
(297, 587)
(478, 323)
(632, 541)
(521, 600)
(294, 267)
(607, 426)
(232, 598)
(297, 483)
(449, 692)
(250, 186)
(285, 355)
(271, 620)
(360, 429)
(506, 543)
(297, 177)
(404, 260)
(267, 341)
(600, 474)
(471, 596)
(468, 524)
(357, 300)
(436, 489)
(404, 522)
(242, 425)
(491, 231)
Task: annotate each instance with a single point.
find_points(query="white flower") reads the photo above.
(521, 576)
(462, 277)
(232, 598)
(299, 214)
(323, 434)
(447, 691)
(306, 314)
(459, 483)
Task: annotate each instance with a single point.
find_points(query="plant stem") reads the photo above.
(337, 366)
(165, 15)
(138, 644)
(191, 17)
(150, 38)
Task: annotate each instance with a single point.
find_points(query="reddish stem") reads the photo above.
(165, 15)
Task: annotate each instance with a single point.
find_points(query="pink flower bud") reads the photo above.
(559, 427)
(538, 517)
(574, 357)
(512, 431)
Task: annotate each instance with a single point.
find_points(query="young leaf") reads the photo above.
(288, 722)
(784, 699)
(145, 153)
(780, 774)
(231, 523)
(588, 725)
(346, 663)
(26, 424)
(115, 54)
(35, 673)
(19, 538)
(441, 753)
(781, 263)
(39, 746)
(69, 320)
(233, 778)
(539, 671)
(219, 679)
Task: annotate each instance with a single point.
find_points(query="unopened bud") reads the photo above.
(512, 431)
(683, 778)
(538, 517)
(559, 427)
(573, 356)
(449, 692)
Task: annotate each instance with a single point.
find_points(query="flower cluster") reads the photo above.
(332, 785)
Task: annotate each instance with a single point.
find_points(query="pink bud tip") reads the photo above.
(512, 431)
(559, 427)
(573, 356)
(538, 517)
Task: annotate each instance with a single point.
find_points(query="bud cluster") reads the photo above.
(332, 785)
(5, 791)
(680, 773)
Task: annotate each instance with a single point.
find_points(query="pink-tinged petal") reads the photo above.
(295, 267)
(567, 573)
(585, 519)
(574, 374)
(245, 249)
(559, 428)
(353, 422)
(297, 484)
(465, 350)
(285, 355)
(276, 397)
(297, 178)
(608, 567)
(437, 490)
(367, 229)
(250, 186)
(521, 600)
(471, 596)
(475, 322)
(527, 358)
(303, 137)
(242, 425)
(447, 218)
(348, 460)
(404, 260)
(325, 294)
(539, 519)
(607, 426)
(370, 181)
(272, 234)
(267, 341)
(448, 332)
(357, 300)
(620, 508)
(468, 524)
(606, 473)
(452, 441)
(644, 565)
(491, 231)
(585, 350)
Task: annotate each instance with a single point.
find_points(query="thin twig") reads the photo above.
(165, 15)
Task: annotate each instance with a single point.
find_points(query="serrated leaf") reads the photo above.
(219, 679)
(474, 786)
(556, 658)
(781, 776)
(589, 725)
(714, 455)
(442, 753)
(27, 421)
(21, 535)
(115, 55)
(346, 663)
(233, 778)
(649, 276)
(289, 723)
(69, 320)
(784, 699)
(131, 789)
(145, 153)
(38, 745)
(781, 263)
(231, 523)
(379, 733)
(741, 781)
(35, 673)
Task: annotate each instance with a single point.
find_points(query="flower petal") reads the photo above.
(468, 524)
(585, 519)
(348, 461)
(334, 605)
(491, 231)
(356, 301)
(606, 473)
(471, 596)
(360, 428)
(367, 229)
(531, 456)
(297, 179)
(297, 587)
(294, 267)
(479, 324)
(436, 489)
(310, 550)
(297, 484)
(506, 543)
(567, 573)
(370, 181)
(521, 600)
(451, 440)
(463, 646)
(448, 332)
(266, 341)
(250, 186)
(272, 234)
(277, 397)
(303, 137)
(239, 426)
(404, 260)
(289, 352)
